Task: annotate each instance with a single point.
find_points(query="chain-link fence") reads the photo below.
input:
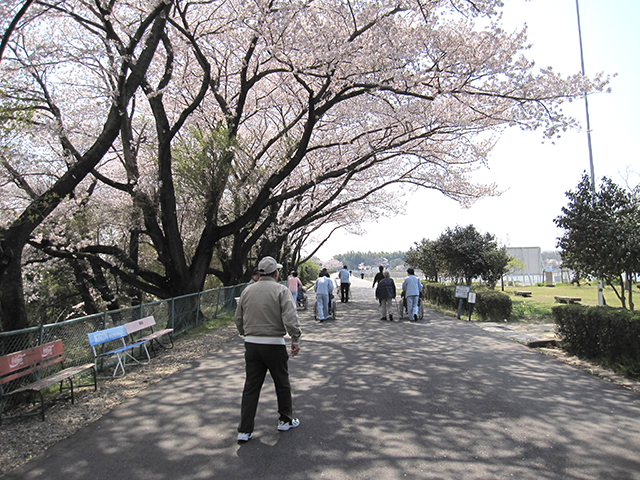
(179, 313)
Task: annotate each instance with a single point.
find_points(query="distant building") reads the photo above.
(532, 258)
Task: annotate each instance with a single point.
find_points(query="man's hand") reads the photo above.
(295, 349)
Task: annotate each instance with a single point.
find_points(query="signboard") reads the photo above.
(472, 297)
(462, 292)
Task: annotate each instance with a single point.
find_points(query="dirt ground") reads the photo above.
(25, 437)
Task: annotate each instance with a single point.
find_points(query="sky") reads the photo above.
(534, 173)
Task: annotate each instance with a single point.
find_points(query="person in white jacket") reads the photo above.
(345, 283)
(411, 288)
(323, 288)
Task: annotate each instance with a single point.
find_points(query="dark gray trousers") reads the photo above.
(258, 359)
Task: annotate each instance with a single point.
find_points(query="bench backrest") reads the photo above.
(107, 335)
(19, 364)
(137, 325)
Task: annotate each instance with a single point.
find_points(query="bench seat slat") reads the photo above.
(147, 323)
(36, 359)
(121, 349)
(157, 334)
(52, 379)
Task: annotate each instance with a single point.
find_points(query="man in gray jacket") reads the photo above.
(265, 314)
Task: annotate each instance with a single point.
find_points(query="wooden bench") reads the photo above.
(139, 326)
(567, 299)
(523, 293)
(32, 362)
(113, 342)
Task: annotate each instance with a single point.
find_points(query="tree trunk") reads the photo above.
(621, 295)
(13, 310)
(82, 281)
(134, 249)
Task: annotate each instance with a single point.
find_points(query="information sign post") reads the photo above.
(462, 292)
(471, 300)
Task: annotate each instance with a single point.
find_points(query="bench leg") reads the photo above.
(41, 403)
(121, 363)
(73, 400)
(146, 351)
(122, 360)
(156, 341)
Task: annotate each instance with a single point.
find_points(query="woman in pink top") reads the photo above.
(294, 285)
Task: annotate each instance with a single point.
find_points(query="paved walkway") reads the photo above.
(436, 399)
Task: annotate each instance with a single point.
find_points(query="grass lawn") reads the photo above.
(537, 308)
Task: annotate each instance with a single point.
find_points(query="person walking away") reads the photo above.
(323, 288)
(362, 274)
(295, 285)
(345, 283)
(411, 288)
(266, 312)
(255, 276)
(385, 293)
(379, 276)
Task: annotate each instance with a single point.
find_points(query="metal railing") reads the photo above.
(179, 313)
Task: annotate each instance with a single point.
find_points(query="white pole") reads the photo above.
(586, 106)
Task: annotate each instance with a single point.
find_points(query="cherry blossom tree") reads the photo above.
(54, 45)
(258, 123)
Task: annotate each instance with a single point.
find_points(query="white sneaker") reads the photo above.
(284, 426)
(245, 437)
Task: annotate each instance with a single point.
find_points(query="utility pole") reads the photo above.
(586, 106)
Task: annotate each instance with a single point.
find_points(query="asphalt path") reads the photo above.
(434, 399)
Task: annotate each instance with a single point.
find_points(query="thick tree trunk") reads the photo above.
(13, 312)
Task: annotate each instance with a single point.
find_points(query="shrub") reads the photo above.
(441, 295)
(308, 272)
(605, 335)
(492, 305)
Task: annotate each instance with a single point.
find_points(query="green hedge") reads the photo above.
(441, 295)
(605, 335)
(490, 304)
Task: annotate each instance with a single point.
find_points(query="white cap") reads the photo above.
(268, 265)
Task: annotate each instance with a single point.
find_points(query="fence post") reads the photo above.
(198, 307)
(104, 325)
(173, 312)
(215, 315)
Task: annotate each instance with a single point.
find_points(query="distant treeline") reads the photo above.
(371, 259)
(396, 259)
